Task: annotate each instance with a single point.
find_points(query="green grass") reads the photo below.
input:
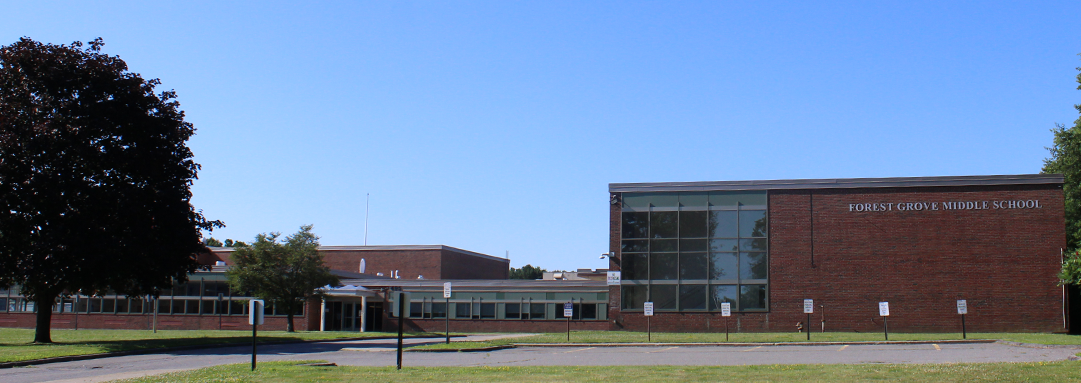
(16, 344)
(983, 372)
(635, 337)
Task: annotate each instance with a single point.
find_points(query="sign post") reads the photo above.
(962, 308)
(403, 300)
(154, 301)
(220, 296)
(568, 311)
(446, 295)
(884, 311)
(649, 313)
(726, 311)
(255, 318)
(808, 308)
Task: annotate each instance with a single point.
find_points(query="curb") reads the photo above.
(950, 341)
(72, 358)
(478, 349)
(1038, 345)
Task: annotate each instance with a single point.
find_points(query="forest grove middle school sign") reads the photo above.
(953, 205)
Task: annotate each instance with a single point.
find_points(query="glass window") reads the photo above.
(752, 297)
(194, 306)
(663, 296)
(692, 297)
(237, 308)
(663, 266)
(755, 244)
(461, 310)
(722, 293)
(208, 306)
(723, 224)
(686, 245)
(589, 311)
(95, 304)
(635, 267)
(694, 199)
(135, 306)
(635, 246)
(664, 245)
(193, 289)
(752, 266)
(487, 311)
(439, 309)
(416, 309)
(512, 311)
(164, 306)
(122, 305)
(752, 223)
(663, 224)
(692, 266)
(635, 224)
(730, 244)
(634, 297)
(692, 224)
(723, 266)
(536, 311)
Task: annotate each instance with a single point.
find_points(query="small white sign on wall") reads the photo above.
(614, 278)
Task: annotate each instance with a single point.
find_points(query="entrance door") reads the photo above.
(333, 316)
(375, 316)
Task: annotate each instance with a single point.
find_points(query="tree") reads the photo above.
(527, 272)
(286, 273)
(95, 178)
(229, 242)
(1066, 160)
(211, 242)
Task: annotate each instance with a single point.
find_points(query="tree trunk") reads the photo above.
(44, 305)
(289, 322)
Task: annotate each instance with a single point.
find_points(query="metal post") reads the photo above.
(649, 333)
(75, 309)
(254, 333)
(725, 329)
(808, 327)
(964, 334)
(155, 315)
(220, 296)
(448, 320)
(401, 326)
(886, 327)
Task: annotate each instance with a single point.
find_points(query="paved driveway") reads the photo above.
(381, 353)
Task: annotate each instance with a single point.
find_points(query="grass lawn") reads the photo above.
(633, 337)
(15, 343)
(984, 372)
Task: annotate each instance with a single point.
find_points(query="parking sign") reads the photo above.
(884, 309)
(726, 309)
(808, 306)
(649, 309)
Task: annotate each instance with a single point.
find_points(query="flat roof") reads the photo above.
(838, 183)
(496, 284)
(392, 248)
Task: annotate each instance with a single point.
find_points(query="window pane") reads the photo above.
(635, 266)
(236, 308)
(752, 223)
(692, 297)
(208, 306)
(752, 297)
(635, 246)
(512, 311)
(692, 266)
(692, 224)
(756, 244)
(663, 296)
(663, 224)
(752, 266)
(730, 244)
(487, 310)
(416, 309)
(722, 293)
(193, 306)
(663, 266)
(635, 224)
(723, 266)
(664, 245)
(122, 305)
(722, 223)
(439, 309)
(686, 245)
(634, 297)
(164, 306)
(136, 306)
(108, 305)
(589, 311)
(536, 311)
(461, 310)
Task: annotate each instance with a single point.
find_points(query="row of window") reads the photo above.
(696, 266)
(694, 224)
(120, 305)
(514, 311)
(747, 298)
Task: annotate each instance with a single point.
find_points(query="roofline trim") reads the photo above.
(839, 183)
(392, 247)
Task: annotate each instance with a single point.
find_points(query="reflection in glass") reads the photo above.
(755, 244)
(752, 266)
(663, 245)
(730, 244)
(635, 225)
(752, 223)
(634, 297)
(663, 266)
(692, 266)
(692, 224)
(723, 266)
(722, 293)
(635, 266)
(692, 297)
(663, 224)
(692, 245)
(635, 246)
(663, 296)
(722, 223)
(752, 297)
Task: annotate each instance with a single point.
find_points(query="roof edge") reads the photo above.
(839, 183)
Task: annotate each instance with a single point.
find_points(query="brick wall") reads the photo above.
(463, 266)
(493, 325)
(1002, 261)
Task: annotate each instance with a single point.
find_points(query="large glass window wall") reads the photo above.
(694, 251)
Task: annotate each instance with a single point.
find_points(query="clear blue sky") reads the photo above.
(497, 126)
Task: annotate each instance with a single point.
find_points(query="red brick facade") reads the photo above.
(1003, 261)
(410, 262)
(494, 325)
